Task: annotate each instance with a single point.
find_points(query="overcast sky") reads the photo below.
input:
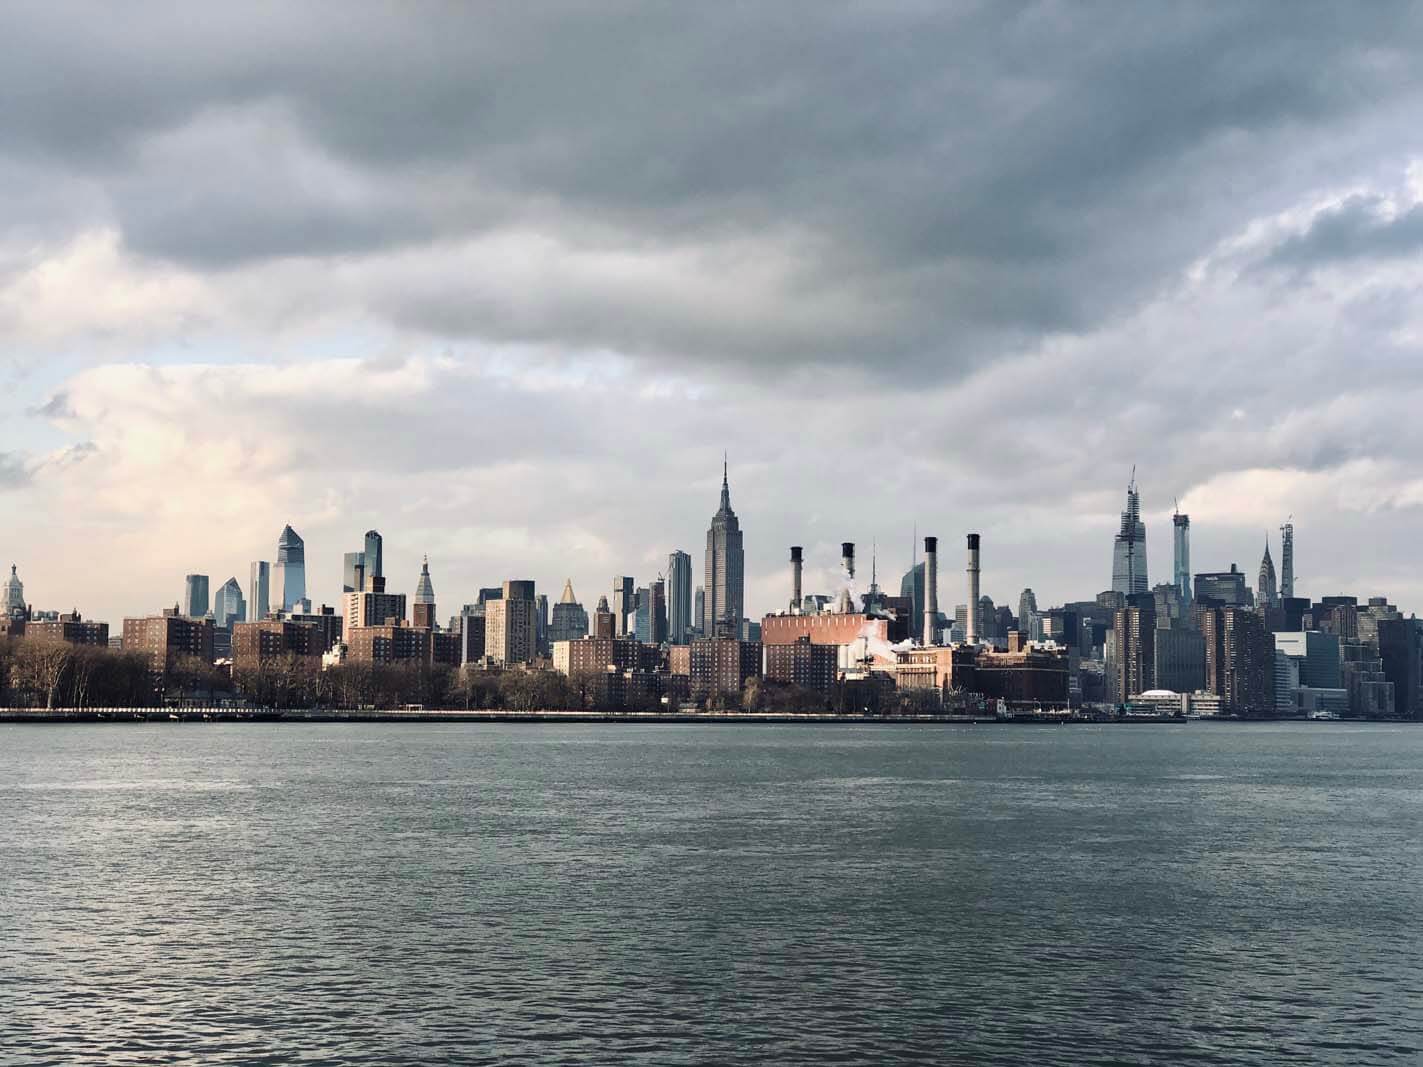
(503, 281)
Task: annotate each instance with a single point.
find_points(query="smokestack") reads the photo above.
(795, 579)
(847, 557)
(972, 635)
(931, 589)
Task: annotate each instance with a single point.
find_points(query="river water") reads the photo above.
(423, 894)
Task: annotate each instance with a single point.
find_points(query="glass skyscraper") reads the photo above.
(1129, 548)
(289, 575)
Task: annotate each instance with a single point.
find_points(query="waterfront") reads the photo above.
(480, 893)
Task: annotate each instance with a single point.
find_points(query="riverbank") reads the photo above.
(309, 715)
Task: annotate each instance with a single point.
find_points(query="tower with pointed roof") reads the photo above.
(570, 621)
(1265, 586)
(422, 612)
(14, 595)
(725, 574)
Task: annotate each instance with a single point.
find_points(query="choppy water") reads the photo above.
(422, 894)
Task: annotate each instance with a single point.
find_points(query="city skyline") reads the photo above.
(821, 579)
(1053, 243)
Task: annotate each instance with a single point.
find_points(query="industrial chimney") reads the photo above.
(931, 589)
(972, 635)
(846, 606)
(795, 579)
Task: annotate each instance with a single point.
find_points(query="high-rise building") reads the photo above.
(259, 590)
(229, 607)
(725, 574)
(1029, 622)
(642, 615)
(605, 623)
(657, 612)
(510, 625)
(372, 556)
(1265, 585)
(1223, 588)
(15, 606)
(353, 572)
(1181, 572)
(1401, 650)
(1287, 560)
(1317, 654)
(679, 597)
(289, 574)
(422, 612)
(372, 606)
(1134, 647)
(1129, 547)
(541, 624)
(699, 607)
(1180, 659)
(570, 621)
(623, 605)
(1239, 658)
(195, 595)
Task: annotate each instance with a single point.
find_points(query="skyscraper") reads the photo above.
(725, 570)
(195, 595)
(699, 606)
(679, 597)
(1129, 548)
(1265, 585)
(624, 604)
(1182, 573)
(289, 574)
(1287, 560)
(1029, 625)
(372, 556)
(353, 570)
(229, 606)
(570, 621)
(423, 611)
(259, 582)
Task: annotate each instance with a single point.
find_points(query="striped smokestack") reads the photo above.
(795, 579)
(972, 635)
(931, 590)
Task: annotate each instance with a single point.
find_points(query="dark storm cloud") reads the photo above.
(974, 176)
(1362, 227)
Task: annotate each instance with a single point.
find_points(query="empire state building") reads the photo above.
(725, 571)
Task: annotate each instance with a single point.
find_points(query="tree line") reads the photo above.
(49, 673)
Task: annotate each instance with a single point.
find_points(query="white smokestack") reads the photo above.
(931, 589)
(847, 563)
(972, 635)
(795, 579)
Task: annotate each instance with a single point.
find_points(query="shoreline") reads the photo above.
(61, 716)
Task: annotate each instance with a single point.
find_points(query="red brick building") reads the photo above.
(164, 638)
(804, 663)
(723, 665)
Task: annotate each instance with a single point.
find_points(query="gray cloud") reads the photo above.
(1363, 226)
(907, 262)
(971, 177)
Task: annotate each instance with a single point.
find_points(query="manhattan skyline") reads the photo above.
(957, 267)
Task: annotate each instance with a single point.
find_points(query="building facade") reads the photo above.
(679, 597)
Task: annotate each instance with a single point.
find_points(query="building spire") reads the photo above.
(725, 485)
